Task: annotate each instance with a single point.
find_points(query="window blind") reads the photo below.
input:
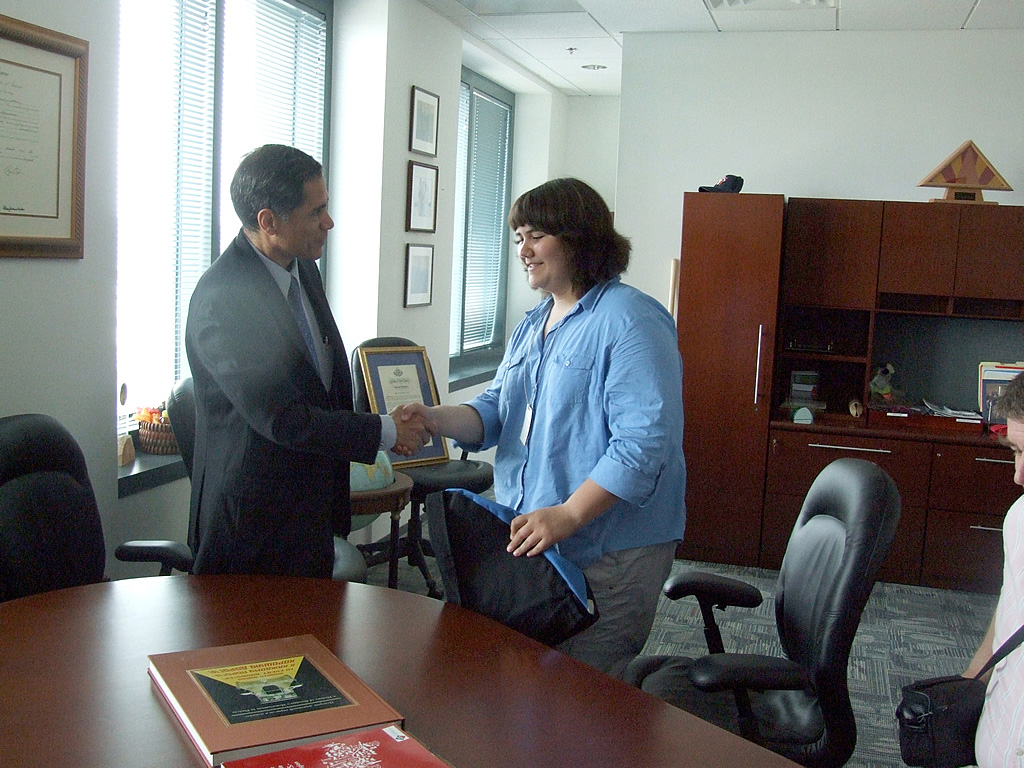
(181, 134)
(482, 239)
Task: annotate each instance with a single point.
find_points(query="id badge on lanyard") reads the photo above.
(527, 421)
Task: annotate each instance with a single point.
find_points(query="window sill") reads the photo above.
(149, 471)
(471, 376)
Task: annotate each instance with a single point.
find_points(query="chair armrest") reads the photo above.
(711, 588)
(726, 671)
(170, 554)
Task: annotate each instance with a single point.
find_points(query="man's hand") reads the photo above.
(414, 431)
(414, 411)
(534, 532)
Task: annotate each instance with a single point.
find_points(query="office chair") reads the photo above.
(181, 410)
(465, 473)
(51, 535)
(349, 564)
(798, 704)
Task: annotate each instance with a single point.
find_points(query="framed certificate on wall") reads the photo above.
(397, 376)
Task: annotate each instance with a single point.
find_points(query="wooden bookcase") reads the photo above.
(838, 266)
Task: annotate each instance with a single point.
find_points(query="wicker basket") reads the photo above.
(157, 438)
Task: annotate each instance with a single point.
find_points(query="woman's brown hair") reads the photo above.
(574, 212)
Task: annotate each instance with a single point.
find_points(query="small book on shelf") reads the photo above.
(238, 701)
(388, 747)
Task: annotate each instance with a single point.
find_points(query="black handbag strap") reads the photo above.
(1004, 650)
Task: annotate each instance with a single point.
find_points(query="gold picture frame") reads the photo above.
(398, 376)
(44, 75)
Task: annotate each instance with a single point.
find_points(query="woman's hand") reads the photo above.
(534, 532)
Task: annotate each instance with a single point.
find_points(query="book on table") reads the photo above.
(388, 747)
(237, 701)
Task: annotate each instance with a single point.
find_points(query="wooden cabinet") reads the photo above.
(918, 251)
(824, 290)
(971, 489)
(829, 271)
(796, 457)
(728, 297)
(831, 252)
(951, 259)
(990, 253)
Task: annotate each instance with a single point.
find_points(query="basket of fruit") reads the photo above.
(155, 435)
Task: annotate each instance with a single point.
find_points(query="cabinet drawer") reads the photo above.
(963, 551)
(796, 458)
(972, 479)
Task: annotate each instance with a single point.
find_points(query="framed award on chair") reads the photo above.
(397, 376)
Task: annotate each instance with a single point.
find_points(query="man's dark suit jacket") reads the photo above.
(270, 479)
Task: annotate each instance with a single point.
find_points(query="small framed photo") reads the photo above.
(419, 274)
(397, 376)
(421, 204)
(423, 122)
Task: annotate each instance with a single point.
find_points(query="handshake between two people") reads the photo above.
(416, 426)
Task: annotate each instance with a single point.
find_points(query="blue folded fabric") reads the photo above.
(571, 573)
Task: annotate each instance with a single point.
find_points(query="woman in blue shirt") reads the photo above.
(586, 414)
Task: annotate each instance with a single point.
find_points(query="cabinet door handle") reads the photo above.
(986, 528)
(757, 365)
(994, 461)
(847, 448)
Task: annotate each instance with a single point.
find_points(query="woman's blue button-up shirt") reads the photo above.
(600, 397)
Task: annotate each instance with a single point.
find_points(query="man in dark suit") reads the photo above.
(275, 429)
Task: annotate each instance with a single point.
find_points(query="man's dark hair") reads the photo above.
(1010, 404)
(273, 176)
(574, 212)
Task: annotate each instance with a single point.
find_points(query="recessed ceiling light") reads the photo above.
(594, 67)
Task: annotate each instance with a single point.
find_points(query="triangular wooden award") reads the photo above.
(964, 174)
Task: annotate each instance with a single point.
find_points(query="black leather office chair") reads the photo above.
(349, 564)
(470, 474)
(798, 704)
(181, 410)
(51, 535)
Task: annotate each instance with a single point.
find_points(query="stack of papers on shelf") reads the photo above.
(945, 411)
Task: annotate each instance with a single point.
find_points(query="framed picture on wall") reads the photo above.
(43, 85)
(423, 122)
(419, 274)
(397, 376)
(421, 203)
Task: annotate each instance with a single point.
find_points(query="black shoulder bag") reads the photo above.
(939, 717)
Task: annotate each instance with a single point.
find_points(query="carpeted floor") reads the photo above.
(906, 633)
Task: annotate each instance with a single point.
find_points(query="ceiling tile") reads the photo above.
(583, 49)
(801, 19)
(450, 9)
(650, 15)
(475, 25)
(515, 7)
(547, 25)
(997, 14)
(874, 15)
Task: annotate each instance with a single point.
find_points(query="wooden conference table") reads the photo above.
(74, 689)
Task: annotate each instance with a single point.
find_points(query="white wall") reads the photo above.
(57, 316)
(592, 143)
(384, 47)
(848, 115)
